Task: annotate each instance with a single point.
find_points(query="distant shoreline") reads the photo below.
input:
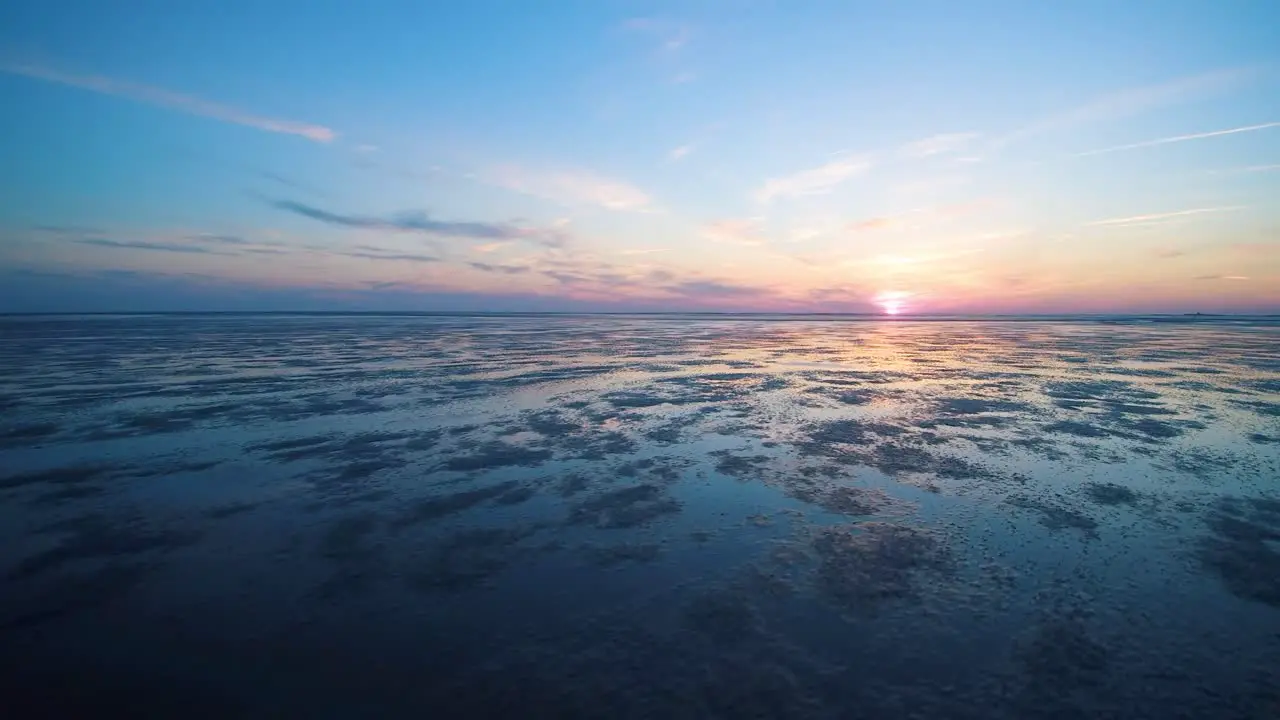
(873, 317)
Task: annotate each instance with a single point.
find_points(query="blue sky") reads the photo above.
(737, 155)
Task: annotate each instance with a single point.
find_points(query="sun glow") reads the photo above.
(893, 302)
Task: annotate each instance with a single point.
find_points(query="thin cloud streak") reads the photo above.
(1132, 101)
(679, 153)
(399, 257)
(939, 144)
(1247, 169)
(1180, 138)
(872, 224)
(422, 223)
(1160, 216)
(574, 187)
(145, 245)
(672, 37)
(160, 97)
(815, 181)
(504, 269)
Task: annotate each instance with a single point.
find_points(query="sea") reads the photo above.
(639, 516)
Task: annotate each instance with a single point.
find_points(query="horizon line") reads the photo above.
(570, 313)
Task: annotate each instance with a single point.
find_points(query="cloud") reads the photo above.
(145, 245)
(222, 239)
(291, 183)
(644, 251)
(1142, 219)
(844, 298)
(1131, 101)
(422, 223)
(174, 101)
(1220, 277)
(567, 278)
(37, 291)
(910, 218)
(1247, 169)
(612, 282)
(1180, 138)
(873, 224)
(679, 153)
(377, 255)
(715, 288)
(574, 187)
(672, 37)
(68, 229)
(734, 232)
(939, 144)
(504, 269)
(676, 39)
(815, 181)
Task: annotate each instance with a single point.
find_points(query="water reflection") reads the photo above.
(644, 516)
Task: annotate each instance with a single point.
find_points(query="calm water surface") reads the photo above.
(618, 517)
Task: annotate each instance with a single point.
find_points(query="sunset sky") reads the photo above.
(909, 156)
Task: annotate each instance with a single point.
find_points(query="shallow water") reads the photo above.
(324, 516)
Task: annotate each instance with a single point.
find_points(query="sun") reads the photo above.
(893, 302)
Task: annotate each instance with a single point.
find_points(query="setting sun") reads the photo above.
(893, 302)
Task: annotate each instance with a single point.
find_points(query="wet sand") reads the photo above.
(337, 516)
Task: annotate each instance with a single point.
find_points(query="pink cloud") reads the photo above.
(172, 100)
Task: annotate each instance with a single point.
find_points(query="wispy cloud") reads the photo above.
(222, 239)
(172, 100)
(815, 181)
(587, 276)
(1156, 217)
(491, 247)
(1248, 169)
(574, 187)
(873, 224)
(1180, 138)
(146, 245)
(939, 144)
(735, 232)
(379, 254)
(1221, 277)
(643, 251)
(676, 39)
(679, 153)
(1131, 101)
(422, 223)
(68, 230)
(672, 36)
(503, 269)
(715, 289)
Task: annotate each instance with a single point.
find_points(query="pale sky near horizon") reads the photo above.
(916, 156)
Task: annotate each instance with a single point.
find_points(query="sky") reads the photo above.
(905, 157)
